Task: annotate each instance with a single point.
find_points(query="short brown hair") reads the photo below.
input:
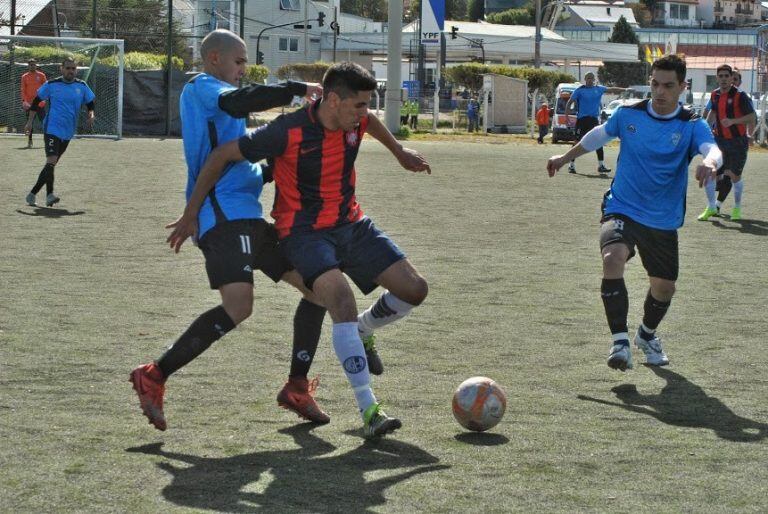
(671, 63)
(346, 79)
(724, 67)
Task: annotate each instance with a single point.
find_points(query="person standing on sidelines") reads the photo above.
(321, 226)
(414, 114)
(65, 96)
(645, 205)
(228, 224)
(542, 120)
(31, 82)
(588, 99)
(731, 115)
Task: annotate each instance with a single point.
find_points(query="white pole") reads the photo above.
(436, 108)
(392, 100)
(533, 111)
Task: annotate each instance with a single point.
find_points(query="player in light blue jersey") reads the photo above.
(230, 228)
(588, 100)
(646, 202)
(65, 96)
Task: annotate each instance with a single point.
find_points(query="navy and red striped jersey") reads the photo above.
(734, 103)
(314, 170)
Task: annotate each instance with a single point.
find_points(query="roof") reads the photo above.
(25, 13)
(603, 14)
(467, 28)
(713, 61)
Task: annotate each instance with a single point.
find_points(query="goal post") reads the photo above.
(100, 63)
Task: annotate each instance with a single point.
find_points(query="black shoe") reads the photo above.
(375, 366)
(603, 169)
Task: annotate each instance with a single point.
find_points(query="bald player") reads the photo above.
(230, 229)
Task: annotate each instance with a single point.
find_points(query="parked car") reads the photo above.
(563, 127)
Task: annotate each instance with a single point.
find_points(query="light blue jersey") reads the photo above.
(65, 99)
(589, 100)
(652, 169)
(204, 125)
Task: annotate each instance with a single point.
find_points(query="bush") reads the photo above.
(49, 55)
(256, 74)
(470, 76)
(305, 72)
(135, 61)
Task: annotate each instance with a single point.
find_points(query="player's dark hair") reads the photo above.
(724, 67)
(346, 79)
(671, 63)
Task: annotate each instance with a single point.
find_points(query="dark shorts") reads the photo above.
(734, 154)
(234, 249)
(658, 248)
(55, 146)
(584, 125)
(358, 249)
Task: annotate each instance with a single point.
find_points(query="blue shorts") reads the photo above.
(358, 249)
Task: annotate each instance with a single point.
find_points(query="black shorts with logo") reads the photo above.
(54, 146)
(734, 154)
(233, 249)
(658, 248)
(584, 125)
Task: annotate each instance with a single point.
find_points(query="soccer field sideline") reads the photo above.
(91, 290)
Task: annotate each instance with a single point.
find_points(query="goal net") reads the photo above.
(99, 63)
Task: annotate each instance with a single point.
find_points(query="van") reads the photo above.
(563, 128)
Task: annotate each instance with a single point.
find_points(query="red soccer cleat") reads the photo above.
(149, 383)
(297, 395)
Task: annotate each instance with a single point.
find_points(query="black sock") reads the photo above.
(43, 179)
(307, 325)
(201, 334)
(653, 311)
(600, 154)
(616, 303)
(49, 184)
(723, 188)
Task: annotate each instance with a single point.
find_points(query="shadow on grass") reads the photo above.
(754, 227)
(307, 479)
(683, 403)
(602, 176)
(482, 438)
(48, 212)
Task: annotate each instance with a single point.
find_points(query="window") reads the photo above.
(683, 12)
(674, 11)
(290, 5)
(288, 44)
(711, 82)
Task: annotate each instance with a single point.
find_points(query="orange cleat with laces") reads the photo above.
(149, 383)
(297, 395)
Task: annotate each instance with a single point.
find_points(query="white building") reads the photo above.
(596, 14)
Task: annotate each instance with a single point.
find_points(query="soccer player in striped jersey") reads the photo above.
(230, 229)
(732, 115)
(323, 229)
(646, 202)
(65, 96)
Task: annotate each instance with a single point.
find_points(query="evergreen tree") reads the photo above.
(476, 10)
(623, 74)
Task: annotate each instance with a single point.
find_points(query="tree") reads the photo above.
(523, 16)
(623, 74)
(143, 24)
(374, 9)
(454, 10)
(476, 10)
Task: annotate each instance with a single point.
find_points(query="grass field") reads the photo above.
(89, 290)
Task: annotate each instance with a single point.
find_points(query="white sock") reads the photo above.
(351, 354)
(387, 309)
(709, 187)
(601, 163)
(718, 204)
(738, 191)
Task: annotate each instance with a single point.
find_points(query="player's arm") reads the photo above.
(408, 159)
(255, 98)
(592, 140)
(91, 114)
(750, 118)
(186, 225)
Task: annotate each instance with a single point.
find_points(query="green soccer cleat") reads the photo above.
(375, 366)
(708, 213)
(736, 214)
(377, 423)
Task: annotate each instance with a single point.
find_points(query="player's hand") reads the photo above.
(726, 122)
(314, 91)
(183, 228)
(413, 161)
(554, 163)
(25, 106)
(705, 172)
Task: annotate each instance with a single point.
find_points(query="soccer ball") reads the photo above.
(479, 404)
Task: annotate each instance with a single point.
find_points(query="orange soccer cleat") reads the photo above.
(149, 383)
(297, 395)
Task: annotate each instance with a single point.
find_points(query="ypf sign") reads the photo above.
(432, 21)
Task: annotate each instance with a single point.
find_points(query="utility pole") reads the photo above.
(335, 28)
(93, 20)
(394, 59)
(13, 17)
(169, 70)
(537, 42)
(306, 33)
(242, 20)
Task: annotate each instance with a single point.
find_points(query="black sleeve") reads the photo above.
(746, 104)
(89, 105)
(35, 105)
(239, 102)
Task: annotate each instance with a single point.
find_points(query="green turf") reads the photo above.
(89, 290)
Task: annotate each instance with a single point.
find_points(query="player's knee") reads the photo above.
(417, 291)
(663, 291)
(613, 260)
(239, 311)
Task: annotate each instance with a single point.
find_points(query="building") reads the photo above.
(679, 13)
(595, 14)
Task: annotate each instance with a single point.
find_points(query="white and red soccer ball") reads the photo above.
(479, 404)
